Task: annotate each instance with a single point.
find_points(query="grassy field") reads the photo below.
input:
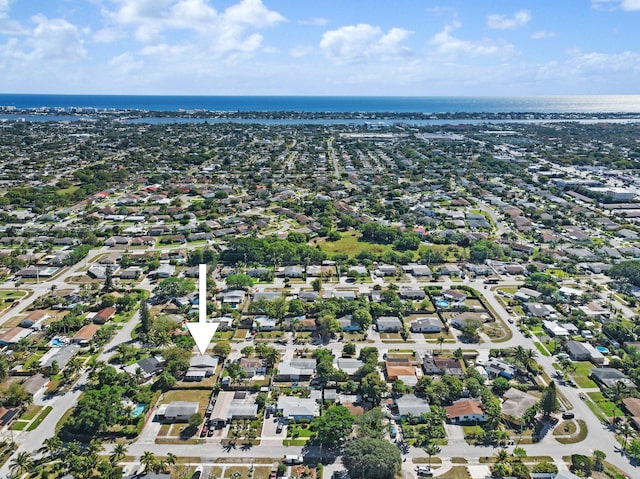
(41, 417)
(350, 245)
(572, 427)
(606, 406)
(457, 472)
(189, 395)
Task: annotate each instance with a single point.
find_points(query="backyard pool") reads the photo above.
(138, 410)
(602, 349)
(57, 342)
(441, 303)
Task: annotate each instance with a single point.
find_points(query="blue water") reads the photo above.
(138, 410)
(555, 104)
(441, 303)
(602, 349)
(57, 342)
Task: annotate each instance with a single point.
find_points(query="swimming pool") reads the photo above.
(58, 342)
(441, 303)
(602, 349)
(138, 410)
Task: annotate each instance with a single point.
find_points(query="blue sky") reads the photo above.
(320, 47)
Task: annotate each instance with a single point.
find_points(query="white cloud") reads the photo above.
(505, 22)
(362, 42)
(108, 35)
(301, 51)
(448, 45)
(626, 61)
(627, 5)
(542, 34)
(56, 39)
(9, 26)
(316, 21)
(208, 31)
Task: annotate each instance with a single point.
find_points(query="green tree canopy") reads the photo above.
(175, 287)
(370, 458)
(333, 426)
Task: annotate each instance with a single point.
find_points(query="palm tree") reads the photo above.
(95, 446)
(431, 450)
(502, 456)
(52, 446)
(118, 453)
(21, 464)
(617, 392)
(626, 430)
(148, 459)
(171, 459)
(440, 341)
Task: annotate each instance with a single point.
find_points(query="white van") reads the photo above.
(292, 459)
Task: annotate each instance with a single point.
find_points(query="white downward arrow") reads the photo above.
(202, 331)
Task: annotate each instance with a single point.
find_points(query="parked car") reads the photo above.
(568, 415)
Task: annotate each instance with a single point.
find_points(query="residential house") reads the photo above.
(440, 365)
(348, 365)
(497, 367)
(35, 319)
(13, 335)
(233, 298)
(430, 324)
(466, 410)
(253, 366)
(177, 411)
(385, 270)
(104, 315)
(308, 296)
(527, 294)
(165, 270)
(632, 406)
(233, 405)
(554, 329)
(263, 322)
(389, 324)
(515, 403)
(607, 377)
(347, 323)
(296, 408)
(595, 310)
(293, 271)
(539, 310)
(410, 404)
(201, 366)
(454, 296)
(148, 367)
(61, 356)
(412, 294)
(577, 351)
(84, 336)
(296, 369)
(7, 415)
(401, 368)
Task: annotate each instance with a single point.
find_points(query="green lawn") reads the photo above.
(606, 406)
(350, 245)
(43, 414)
(541, 348)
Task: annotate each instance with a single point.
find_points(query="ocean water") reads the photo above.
(333, 104)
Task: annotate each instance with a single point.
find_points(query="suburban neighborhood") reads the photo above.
(455, 301)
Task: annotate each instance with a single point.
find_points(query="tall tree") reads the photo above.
(145, 317)
(333, 426)
(369, 458)
(431, 450)
(549, 401)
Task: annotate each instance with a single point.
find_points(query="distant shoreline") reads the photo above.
(327, 106)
